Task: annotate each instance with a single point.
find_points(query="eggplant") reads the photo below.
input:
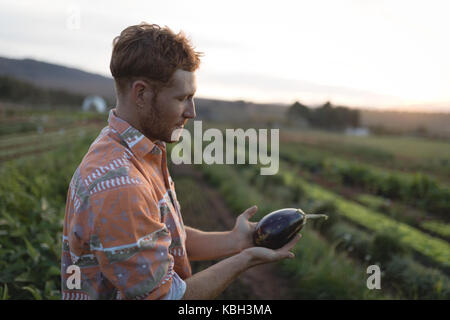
(279, 227)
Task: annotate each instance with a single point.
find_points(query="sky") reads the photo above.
(371, 54)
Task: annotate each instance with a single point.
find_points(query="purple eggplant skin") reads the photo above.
(278, 228)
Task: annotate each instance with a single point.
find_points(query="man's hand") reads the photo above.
(209, 283)
(202, 245)
(243, 229)
(261, 255)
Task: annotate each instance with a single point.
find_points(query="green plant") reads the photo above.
(415, 281)
(386, 243)
(32, 202)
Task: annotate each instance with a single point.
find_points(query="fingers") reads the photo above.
(247, 214)
(288, 246)
(280, 255)
(291, 244)
(290, 255)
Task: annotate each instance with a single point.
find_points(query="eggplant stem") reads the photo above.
(316, 216)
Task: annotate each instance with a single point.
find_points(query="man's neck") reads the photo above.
(125, 114)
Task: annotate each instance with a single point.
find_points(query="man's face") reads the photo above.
(171, 110)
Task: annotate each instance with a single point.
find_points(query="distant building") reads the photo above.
(360, 132)
(94, 103)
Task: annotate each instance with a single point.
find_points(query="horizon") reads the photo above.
(404, 109)
(367, 56)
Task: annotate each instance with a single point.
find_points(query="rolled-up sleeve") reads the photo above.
(131, 245)
(177, 289)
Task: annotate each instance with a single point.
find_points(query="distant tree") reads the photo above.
(18, 91)
(298, 110)
(323, 117)
(326, 116)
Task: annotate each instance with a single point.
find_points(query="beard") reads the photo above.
(153, 125)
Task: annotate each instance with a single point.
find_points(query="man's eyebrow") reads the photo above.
(187, 94)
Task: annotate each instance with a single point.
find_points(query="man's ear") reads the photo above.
(141, 92)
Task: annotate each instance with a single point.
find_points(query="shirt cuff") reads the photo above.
(177, 289)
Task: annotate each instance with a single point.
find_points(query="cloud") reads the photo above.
(288, 89)
(382, 49)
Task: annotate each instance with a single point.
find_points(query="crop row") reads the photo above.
(9, 141)
(418, 190)
(399, 212)
(16, 122)
(436, 250)
(381, 246)
(437, 227)
(318, 271)
(396, 210)
(46, 143)
(32, 201)
(394, 152)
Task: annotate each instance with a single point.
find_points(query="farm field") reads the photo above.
(405, 154)
(387, 198)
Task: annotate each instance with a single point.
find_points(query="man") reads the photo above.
(123, 228)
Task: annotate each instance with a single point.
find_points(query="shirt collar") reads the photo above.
(132, 138)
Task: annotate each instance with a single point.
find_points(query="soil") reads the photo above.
(260, 283)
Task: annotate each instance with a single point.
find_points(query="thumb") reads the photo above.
(247, 214)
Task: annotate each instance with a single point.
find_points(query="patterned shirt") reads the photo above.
(123, 228)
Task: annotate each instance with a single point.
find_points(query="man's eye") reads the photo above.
(184, 98)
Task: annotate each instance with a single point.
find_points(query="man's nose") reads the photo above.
(190, 110)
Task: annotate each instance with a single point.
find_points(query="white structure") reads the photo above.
(94, 103)
(359, 132)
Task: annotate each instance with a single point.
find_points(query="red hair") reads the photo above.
(150, 52)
